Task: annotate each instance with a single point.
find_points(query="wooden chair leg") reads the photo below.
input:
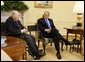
(44, 46)
(51, 43)
(24, 56)
(77, 48)
(61, 46)
(70, 47)
(80, 48)
(73, 47)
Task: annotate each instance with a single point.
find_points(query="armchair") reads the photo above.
(45, 41)
(3, 29)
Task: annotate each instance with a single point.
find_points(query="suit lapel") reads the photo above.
(44, 22)
(15, 24)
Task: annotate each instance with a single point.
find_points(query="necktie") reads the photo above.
(48, 24)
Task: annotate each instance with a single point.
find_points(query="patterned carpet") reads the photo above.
(51, 54)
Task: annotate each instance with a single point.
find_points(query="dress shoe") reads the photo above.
(36, 57)
(40, 51)
(58, 55)
(41, 54)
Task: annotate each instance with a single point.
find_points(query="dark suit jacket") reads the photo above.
(42, 25)
(12, 28)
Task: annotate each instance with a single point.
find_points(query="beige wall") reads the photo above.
(61, 13)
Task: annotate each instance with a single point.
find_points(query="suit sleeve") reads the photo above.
(40, 25)
(11, 28)
(21, 25)
(53, 26)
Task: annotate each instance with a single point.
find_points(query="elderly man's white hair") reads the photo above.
(13, 13)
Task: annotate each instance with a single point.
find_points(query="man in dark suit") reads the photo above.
(48, 30)
(16, 29)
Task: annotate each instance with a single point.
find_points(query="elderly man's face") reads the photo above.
(16, 17)
(46, 15)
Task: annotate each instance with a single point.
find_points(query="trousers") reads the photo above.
(56, 36)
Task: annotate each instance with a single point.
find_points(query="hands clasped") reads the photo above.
(48, 30)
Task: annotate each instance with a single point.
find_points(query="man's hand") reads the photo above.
(24, 30)
(48, 30)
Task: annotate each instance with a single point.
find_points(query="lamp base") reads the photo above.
(79, 24)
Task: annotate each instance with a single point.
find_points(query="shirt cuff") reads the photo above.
(21, 31)
(45, 30)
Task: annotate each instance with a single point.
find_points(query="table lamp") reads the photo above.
(2, 3)
(79, 9)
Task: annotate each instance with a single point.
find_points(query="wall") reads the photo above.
(61, 13)
(5, 15)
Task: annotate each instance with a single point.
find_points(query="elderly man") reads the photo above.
(48, 30)
(16, 29)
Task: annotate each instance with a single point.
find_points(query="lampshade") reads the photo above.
(79, 7)
(2, 3)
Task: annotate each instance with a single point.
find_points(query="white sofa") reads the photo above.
(4, 56)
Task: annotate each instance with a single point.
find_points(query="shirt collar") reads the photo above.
(46, 19)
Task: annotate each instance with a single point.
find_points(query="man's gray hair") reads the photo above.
(47, 12)
(13, 13)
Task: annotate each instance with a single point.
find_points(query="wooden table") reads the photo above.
(76, 31)
(15, 48)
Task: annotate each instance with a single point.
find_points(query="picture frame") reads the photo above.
(43, 4)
